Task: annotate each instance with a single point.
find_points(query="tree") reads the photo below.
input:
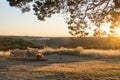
(78, 13)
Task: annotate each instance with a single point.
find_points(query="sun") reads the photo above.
(117, 30)
(106, 29)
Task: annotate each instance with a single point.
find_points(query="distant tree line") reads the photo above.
(7, 43)
(87, 42)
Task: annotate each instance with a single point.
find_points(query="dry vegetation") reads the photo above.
(102, 54)
(62, 51)
(88, 65)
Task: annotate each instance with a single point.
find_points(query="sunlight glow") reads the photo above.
(106, 29)
(117, 30)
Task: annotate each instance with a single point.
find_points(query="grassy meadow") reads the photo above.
(86, 64)
(73, 63)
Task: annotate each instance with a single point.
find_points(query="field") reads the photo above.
(90, 64)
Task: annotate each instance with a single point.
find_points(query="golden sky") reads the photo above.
(13, 22)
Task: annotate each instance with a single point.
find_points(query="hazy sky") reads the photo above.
(13, 22)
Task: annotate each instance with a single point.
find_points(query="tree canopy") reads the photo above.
(78, 13)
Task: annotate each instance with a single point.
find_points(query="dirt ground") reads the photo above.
(61, 67)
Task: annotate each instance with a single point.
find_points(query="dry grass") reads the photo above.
(101, 53)
(52, 70)
(79, 51)
(6, 53)
(89, 65)
(62, 51)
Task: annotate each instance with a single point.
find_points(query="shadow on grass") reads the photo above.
(23, 69)
(44, 75)
(53, 59)
(52, 75)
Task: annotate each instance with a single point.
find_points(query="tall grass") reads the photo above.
(101, 53)
(78, 51)
(62, 51)
(4, 53)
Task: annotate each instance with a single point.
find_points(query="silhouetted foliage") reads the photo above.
(78, 13)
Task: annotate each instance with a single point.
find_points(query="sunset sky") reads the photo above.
(13, 22)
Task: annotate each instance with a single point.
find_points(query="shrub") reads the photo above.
(79, 48)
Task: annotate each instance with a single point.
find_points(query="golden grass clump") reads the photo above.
(101, 53)
(62, 51)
